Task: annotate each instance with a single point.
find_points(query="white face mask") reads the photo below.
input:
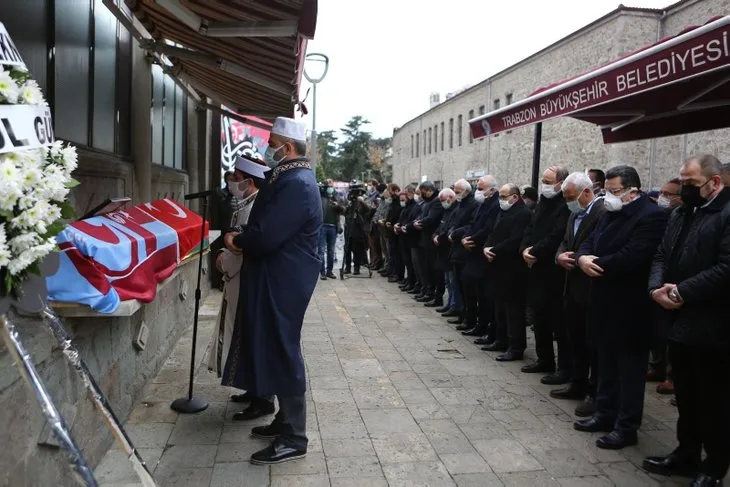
(574, 206)
(663, 202)
(459, 197)
(418, 198)
(548, 191)
(505, 204)
(270, 156)
(403, 204)
(479, 196)
(613, 202)
(235, 188)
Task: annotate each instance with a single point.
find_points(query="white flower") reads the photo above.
(23, 242)
(9, 172)
(4, 256)
(27, 219)
(30, 176)
(8, 87)
(30, 94)
(56, 149)
(9, 194)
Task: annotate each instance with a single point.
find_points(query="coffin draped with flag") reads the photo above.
(123, 255)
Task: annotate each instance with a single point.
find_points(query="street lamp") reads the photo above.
(320, 58)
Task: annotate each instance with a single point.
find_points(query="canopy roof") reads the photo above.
(245, 54)
(679, 85)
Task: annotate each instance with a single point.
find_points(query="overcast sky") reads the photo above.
(387, 56)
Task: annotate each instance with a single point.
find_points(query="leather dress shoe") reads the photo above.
(415, 290)
(482, 341)
(572, 391)
(672, 464)
(277, 453)
(331, 275)
(241, 398)
(443, 309)
(425, 298)
(593, 425)
(268, 432)
(586, 408)
(464, 327)
(557, 378)
(392, 279)
(456, 321)
(450, 313)
(510, 356)
(617, 441)
(254, 411)
(495, 347)
(434, 303)
(538, 368)
(704, 480)
(474, 332)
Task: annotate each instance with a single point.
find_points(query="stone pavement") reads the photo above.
(396, 397)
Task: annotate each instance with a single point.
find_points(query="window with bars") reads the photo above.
(442, 136)
(460, 128)
(471, 137)
(451, 133)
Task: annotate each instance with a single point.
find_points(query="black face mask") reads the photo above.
(691, 195)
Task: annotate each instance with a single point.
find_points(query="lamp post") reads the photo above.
(321, 58)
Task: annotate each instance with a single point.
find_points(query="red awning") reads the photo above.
(678, 85)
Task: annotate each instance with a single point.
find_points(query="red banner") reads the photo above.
(695, 52)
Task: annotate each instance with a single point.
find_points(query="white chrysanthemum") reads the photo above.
(9, 194)
(70, 156)
(27, 219)
(8, 87)
(9, 172)
(29, 256)
(26, 201)
(29, 176)
(56, 149)
(23, 242)
(30, 94)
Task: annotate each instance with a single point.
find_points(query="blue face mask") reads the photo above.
(270, 156)
(330, 191)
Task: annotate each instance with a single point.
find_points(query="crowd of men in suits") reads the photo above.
(613, 275)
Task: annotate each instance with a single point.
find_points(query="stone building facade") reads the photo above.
(437, 144)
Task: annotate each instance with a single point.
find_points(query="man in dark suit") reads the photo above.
(423, 227)
(617, 256)
(542, 239)
(506, 285)
(457, 255)
(408, 207)
(440, 239)
(479, 308)
(586, 210)
(689, 278)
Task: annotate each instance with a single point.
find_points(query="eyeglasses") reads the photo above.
(667, 194)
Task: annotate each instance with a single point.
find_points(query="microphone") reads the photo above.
(200, 194)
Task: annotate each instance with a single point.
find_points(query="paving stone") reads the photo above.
(239, 452)
(343, 431)
(298, 481)
(152, 412)
(377, 397)
(239, 474)
(178, 457)
(387, 421)
(193, 431)
(348, 448)
(153, 435)
(626, 475)
(477, 480)
(185, 477)
(462, 463)
(403, 447)
(359, 481)
(597, 481)
(313, 463)
(356, 467)
(433, 474)
(533, 479)
(506, 456)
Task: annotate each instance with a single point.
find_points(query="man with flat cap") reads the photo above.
(280, 270)
(243, 184)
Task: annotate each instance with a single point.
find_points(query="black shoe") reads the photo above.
(434, 303)
(268, 432)
(587, 408)
(356, 273)
(593, 425)
(255, 411)
(463, 327)
(425, 298)
(392, 279)
(672, 464)
(347, 271)
(571, 392)
(495, 347)
(510, 356)
(557, 378)
(443, 309)
(704, 480)
(482, 341)
(277, 453)
(241, 398)
(456, 321)
(617, 441)
(450, 314)
(331, 275)
(539, 368)
(415, 290)
(323, 277)
(474, 332)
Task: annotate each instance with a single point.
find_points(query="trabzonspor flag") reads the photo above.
(124, 255)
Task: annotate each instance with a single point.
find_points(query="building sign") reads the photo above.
(238, 138)
(699, 51)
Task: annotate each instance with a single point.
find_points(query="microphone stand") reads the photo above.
(192, 404)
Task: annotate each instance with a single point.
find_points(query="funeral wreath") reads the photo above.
(35, 179)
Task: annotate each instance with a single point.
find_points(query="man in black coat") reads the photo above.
(467, 205)
(689, 278)
(422, 228)
(479, 310)
(545, 282)
(408, 208)
(396, 269)
(586, 210)
(440, 239)
(506, 284)
(617, 256)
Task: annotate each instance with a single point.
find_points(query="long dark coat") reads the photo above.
(624, 242)
(464, 214)
(475, 264)
(278, 277)
(508, 270)
(442, 235)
